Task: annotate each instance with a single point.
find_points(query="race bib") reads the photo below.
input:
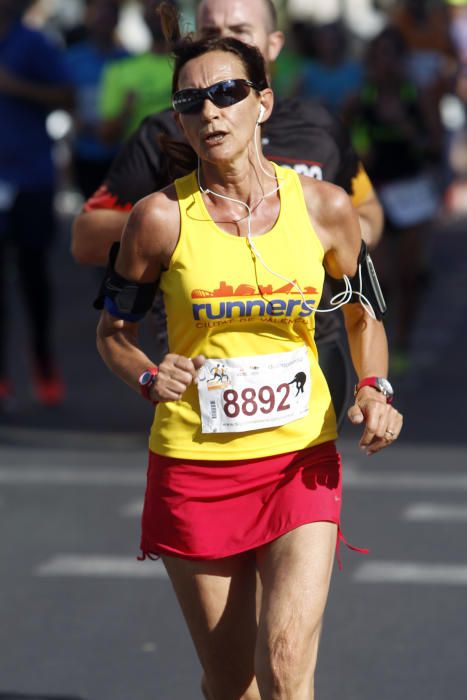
(252, 393)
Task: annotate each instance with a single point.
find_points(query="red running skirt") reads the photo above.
(203, 509)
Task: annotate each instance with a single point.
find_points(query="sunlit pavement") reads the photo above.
(82, 617)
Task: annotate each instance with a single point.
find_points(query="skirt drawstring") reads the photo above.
(341, 538)
(147, 555)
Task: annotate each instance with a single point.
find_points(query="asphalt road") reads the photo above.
(82, 619)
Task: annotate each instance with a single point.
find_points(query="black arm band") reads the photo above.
(370, 288)
(129, 298)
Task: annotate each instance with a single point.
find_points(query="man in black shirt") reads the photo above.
(300, 134)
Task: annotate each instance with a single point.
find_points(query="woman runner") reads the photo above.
(243, 470)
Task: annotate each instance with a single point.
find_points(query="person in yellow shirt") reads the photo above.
(243, 470)
(300, 134)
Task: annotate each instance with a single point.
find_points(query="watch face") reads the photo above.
(146, 378)
(385, 387)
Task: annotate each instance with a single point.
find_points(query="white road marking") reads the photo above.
(411, 572)
(103, 566)
(75, 476)
(99, 566)
(389, 481)
(436, 512)
(132, 509)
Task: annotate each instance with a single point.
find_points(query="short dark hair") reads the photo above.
(250, 57)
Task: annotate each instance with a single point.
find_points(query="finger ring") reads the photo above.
(389, 432)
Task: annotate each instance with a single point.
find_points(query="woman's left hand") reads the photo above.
(383, 423)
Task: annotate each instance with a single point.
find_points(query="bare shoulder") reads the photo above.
(326, 202)
(335, 221)
(154, 225)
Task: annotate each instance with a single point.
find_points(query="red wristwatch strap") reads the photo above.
(375, 382)
(367, 381)
(146, 388)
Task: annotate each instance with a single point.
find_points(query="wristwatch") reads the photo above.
(146, 380)
(381, 384)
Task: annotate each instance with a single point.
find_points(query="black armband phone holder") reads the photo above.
(129, 298)
(365, 285)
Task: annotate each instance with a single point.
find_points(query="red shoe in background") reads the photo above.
(6, 389)
(50, 389)
(6, 396)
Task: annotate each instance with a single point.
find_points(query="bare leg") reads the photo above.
(295, 571)
(218, 600)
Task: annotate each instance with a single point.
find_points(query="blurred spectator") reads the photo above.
(138, 86)
(455, 120)
(425, 29)
(61, 21)
(33, 80)
(288, 64)
(86, 61)
(330, 75)
(364, 18)
(397, 134)
(457, 10)
(423, 25)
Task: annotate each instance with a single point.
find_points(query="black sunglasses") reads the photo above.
(223, 94)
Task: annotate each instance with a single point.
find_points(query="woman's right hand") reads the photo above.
(175, 375)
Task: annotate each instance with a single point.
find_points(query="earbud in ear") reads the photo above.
(262, 110)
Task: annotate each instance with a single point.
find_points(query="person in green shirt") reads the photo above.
(137, 86)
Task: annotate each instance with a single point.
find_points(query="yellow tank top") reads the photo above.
(223, 303)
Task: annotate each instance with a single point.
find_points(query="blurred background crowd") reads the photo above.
(395, 71)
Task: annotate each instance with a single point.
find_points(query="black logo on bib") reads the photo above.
(299, 380)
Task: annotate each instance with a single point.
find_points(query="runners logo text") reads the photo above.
(267, 303)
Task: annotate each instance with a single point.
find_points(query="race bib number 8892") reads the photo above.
(252, 393)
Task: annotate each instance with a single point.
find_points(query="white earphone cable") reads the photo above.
(338, 300)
